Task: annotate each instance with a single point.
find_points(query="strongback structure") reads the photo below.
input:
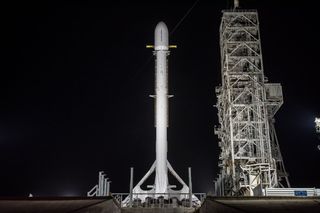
(250, 158)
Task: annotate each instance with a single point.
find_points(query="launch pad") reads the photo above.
(211, 204)
(252, 178)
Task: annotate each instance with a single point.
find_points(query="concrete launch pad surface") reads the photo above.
(210, 205)
(260, 204)
(58, 205)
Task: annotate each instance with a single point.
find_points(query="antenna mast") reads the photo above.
(236, 4)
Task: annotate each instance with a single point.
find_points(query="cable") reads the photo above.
(182, 19)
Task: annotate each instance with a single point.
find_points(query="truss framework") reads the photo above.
(250, 157)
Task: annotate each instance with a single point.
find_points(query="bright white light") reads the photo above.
(317, 121)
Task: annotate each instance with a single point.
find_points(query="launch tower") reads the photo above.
(250, 157)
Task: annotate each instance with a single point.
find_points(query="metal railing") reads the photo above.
(159, 200)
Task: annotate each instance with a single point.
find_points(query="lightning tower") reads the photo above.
(250, 157)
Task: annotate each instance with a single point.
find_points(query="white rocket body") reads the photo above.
(161, 51)
(161, 166)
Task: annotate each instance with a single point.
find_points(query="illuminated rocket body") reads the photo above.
(161, 51)
(161, 166)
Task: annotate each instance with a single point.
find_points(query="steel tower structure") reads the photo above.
(250, 158)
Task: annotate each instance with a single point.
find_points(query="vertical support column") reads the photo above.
(190, 187)
(100, 184)
(220, 185)
(131, 186)
(215, 188)
(108, 188)
(105, 182)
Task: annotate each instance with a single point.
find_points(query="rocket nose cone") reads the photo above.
(161, 36)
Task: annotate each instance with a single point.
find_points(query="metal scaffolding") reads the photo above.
(250, 158)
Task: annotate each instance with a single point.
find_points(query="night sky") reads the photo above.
(76, 78)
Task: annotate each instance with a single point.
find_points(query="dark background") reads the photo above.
(76, 76)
